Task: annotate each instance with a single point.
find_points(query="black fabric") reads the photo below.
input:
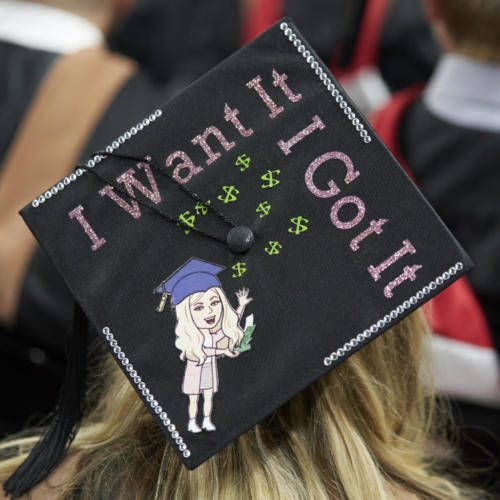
(31, 378)
(34, 366)
(408, 50)
(33, 348)
(45, 306)
(47, 454)
(457, 169)
(312, 295)
(190, 37)
(169, 37)
(22, 71)
(479, 442)
(330, 27)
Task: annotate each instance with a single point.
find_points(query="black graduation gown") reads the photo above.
(32, 351)
(457, 170)
(408, 50)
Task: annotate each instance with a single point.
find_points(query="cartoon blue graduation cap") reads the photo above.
(195, 275)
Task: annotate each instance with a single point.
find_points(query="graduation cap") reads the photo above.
(264, 205)
(195, 275)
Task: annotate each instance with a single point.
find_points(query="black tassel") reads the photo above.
(51, 449)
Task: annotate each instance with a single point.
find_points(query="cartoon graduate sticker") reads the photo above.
(207, 328)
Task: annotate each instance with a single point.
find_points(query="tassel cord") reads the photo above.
(50, 450)
(192, 194)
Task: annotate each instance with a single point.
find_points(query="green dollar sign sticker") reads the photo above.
(200, 208)
(229, 190)
(263, 209)
(239, 269)
(273, 248)
(244, 161)
(187, 219)
(300, 225)
(269, 177)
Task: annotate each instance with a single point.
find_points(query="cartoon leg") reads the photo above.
(208, 395)
(192, 411)
(193, 406)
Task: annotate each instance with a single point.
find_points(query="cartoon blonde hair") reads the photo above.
(189, 339)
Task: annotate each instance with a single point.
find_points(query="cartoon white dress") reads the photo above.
(198, 377)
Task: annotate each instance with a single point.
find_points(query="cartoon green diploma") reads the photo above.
(247, 335)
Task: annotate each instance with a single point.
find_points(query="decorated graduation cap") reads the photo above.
(263, 204)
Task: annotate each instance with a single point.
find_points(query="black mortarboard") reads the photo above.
(299, 225)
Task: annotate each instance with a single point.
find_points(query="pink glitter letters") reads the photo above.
(132, 209)
(279, 81)
(316, 124)
(334, 190)
(201, 140)
(255, 84)
(406, 248)
(230, 116)
(129, 180)
(186, 163)
(408, 273)
(339, 204)
(77, 214)
(375, 227)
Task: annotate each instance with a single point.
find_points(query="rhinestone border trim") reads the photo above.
(96, 159)
(395, 313)
(327, 82)
(143, 389)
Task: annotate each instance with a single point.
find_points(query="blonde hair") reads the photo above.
(369, 429)
(474, 26)
(189, 338)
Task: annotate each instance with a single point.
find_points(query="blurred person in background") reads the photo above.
(448, 135)
(408, 50)
(344, 33)
(172, 37)
(373, 47)
(63, 96)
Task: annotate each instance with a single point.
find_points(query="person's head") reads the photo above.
(103, 13)
(204, 311)
(468, 27)
(369, 429)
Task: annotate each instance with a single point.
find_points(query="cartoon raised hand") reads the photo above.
(243, 300)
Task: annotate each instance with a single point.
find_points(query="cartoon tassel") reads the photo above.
(162, 303)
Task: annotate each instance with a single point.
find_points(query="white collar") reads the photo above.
(46, 28)
(465, 92)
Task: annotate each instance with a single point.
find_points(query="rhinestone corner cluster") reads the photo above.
(327, 82)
